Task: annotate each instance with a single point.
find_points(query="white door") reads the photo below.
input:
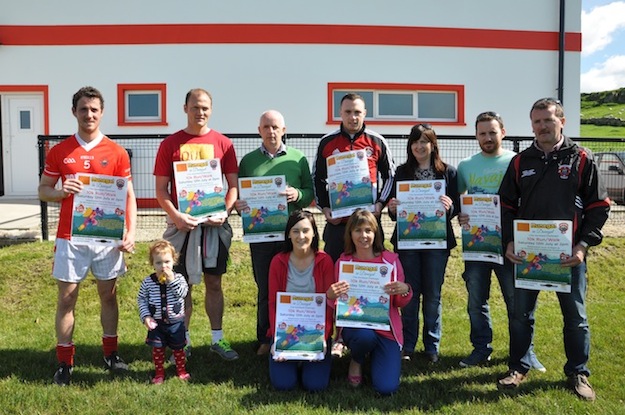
(22, 121)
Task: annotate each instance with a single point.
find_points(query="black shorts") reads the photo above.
(167, 335)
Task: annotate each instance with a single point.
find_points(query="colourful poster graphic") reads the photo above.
(421, 216)
(300, 326)
(99, 210)
(266, 215)
(366, 305)
(200, 188)
(349, 183)
(543, 244)
(481, 237)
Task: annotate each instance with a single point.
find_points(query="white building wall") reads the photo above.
(495, 14)
(247, 79)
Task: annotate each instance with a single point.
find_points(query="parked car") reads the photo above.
(612, 168)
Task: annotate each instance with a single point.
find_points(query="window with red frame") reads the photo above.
(402, 103)
(141, 104)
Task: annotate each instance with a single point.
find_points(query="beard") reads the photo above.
(490, 147)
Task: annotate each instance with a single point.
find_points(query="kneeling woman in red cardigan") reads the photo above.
(301, 268)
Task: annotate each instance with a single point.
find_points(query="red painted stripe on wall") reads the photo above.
(151, 34)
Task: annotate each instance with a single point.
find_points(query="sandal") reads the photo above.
(354, 380)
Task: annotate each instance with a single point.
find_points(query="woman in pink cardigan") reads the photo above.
(302, 268)
(363, 243)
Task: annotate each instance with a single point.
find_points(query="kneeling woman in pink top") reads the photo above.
(363, 243)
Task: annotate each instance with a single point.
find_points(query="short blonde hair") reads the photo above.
(163, 246)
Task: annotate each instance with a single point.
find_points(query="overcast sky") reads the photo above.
(603, 45)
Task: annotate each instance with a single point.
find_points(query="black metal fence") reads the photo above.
(143, 148)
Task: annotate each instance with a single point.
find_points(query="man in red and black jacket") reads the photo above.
(352, 135)
(554, 179)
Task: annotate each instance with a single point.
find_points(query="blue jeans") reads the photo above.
(425, 272)
(576, 330)
(477, 277)
(385, 357)
(262, 253)
(315, 376)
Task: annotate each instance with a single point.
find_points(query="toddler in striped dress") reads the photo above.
(161, 309)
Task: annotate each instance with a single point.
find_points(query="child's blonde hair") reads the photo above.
(163, 246)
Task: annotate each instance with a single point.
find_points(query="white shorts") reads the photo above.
(72, 262)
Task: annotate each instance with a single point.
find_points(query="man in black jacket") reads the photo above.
(353, 134)
(554, 179)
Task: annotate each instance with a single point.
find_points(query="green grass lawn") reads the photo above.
(27, 302)
(590, 109)
(602, 131)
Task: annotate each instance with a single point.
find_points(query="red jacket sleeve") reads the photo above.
(277, 282)
(399, 300)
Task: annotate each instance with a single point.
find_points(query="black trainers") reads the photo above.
(114, 363)
(433, 358)
(63, 375)
(476, 358)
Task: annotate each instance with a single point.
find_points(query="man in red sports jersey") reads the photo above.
(87, 151)
(203, 247)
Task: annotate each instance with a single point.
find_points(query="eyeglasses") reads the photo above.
(488, 114)
(545, 103)
(549, 101)
(424, 126)
(554, 100)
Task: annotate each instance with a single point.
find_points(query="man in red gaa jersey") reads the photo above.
(87, 151)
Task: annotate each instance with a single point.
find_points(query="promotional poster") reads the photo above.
(266, 215)
(99, 210)
(481, 237)
(200, 188)
(543, 244)
(349, 183)
(366, 305)
(421, 216)
(300, 326)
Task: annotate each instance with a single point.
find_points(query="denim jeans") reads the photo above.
(576, 330)
(385, 357)
(424, 270)
(262, 253)
(477, 277)
(314, 376)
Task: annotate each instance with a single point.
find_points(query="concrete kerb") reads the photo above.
(20, 221)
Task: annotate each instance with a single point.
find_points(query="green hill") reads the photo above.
(603, 114)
